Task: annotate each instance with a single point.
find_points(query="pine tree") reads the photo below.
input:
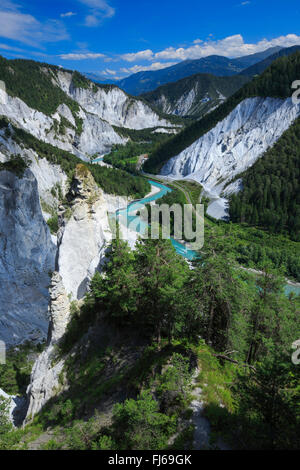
(162, 274)
(118, 291)
(269, 399)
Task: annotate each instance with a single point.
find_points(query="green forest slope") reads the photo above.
(270, 197)
(205, 85)
(274, 82)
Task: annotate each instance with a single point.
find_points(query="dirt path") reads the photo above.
(202, 426)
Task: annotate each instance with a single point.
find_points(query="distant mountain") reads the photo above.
(100, 79)
(200, 93)
(143, 82)
(65, 109)
(274, 83)
(252, 59)
(195, 95)
(259, 125)
(260, 67)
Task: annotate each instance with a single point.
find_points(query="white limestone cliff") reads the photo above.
(25, 240)
(44, 381)
(27, 255)
(233, 145)
(82, 242)
(112, 105)
(182, 106)
(84, 233)
(97, 135)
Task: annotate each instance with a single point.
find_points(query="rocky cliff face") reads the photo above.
(234, 144)
(84, 233)
(49, 177)
(112, 105)
(97, 136)
(27, 255)
(44, 383)
(28, 252)
(195, 95)
(181, 106)
(82, 241)
(184, 104)
(98, 112)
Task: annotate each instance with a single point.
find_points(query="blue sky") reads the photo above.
(115, 38)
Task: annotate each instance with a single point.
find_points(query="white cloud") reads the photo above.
(12, 50)
(82, 56)
(5, 47)
(99, 9)
(9, 5)
(68, 14)
(91, 21)
(141, 68)
(110, 72)
(231, 46)
(142, 55)
(26, 28)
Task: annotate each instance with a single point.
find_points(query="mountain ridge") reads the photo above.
(143, 82)
(261, 66)
(195, 95)
(271, 83)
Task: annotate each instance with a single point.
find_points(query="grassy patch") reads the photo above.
(53, 224)
(15, 374)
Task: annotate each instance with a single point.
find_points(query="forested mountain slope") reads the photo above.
(275, 82)
(44, 135)
(195, 95)
(130, 359)
(259, 67)
(143, 82)
(67, 110)
(270, 196)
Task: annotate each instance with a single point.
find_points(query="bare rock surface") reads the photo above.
(232, 146)
(44, 383)
(84, 234)
(27, 256)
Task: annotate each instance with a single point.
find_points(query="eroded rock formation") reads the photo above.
(27, 256)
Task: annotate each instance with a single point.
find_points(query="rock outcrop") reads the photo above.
(97, 135)
(182, 106)
(112, 104)
(44, 383)
(82, 241)
(84, 233)
(27, 255)
(234, 144)
(59, 308)
(28, 252)
(16, 407)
